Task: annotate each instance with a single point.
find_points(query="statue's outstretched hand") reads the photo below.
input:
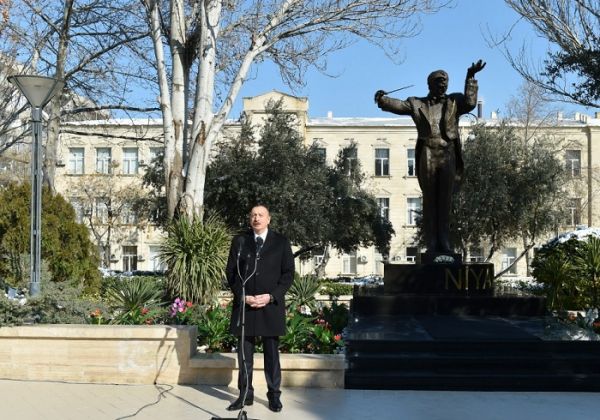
(378, 95)
(475, 68)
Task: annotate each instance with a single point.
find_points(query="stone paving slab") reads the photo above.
(29, 400)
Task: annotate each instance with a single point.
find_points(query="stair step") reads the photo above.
(477, 381)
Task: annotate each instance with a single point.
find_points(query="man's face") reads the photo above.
(438, 86)
(259, 219)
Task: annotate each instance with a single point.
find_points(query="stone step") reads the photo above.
(397, 380)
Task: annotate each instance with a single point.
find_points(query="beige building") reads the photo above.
(116, 152)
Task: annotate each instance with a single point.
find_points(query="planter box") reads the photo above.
(297, 370)
(119, 354)
(98, 353)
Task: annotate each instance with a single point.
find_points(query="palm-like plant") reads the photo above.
(131, 297)
(588, 261)
(302, 292)
(556, 272)
(195, 252)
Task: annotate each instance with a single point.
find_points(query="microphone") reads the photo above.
(241, 241)
(259, 244)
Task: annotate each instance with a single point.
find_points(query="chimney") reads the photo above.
(479, 110)
(597, 115)
(559, 115)
(330, 114)
(494, 115)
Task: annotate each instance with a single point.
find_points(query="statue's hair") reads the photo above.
(435, 74)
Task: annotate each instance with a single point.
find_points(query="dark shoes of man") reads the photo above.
(274, 403)
(237, 404)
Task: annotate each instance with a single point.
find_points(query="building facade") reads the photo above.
(116, 152)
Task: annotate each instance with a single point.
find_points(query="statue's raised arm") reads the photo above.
(475, 68)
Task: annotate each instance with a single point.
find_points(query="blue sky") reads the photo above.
(450, 39)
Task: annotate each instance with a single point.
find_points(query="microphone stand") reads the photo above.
(241, 353)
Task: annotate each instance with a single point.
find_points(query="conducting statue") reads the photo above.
(439, 163)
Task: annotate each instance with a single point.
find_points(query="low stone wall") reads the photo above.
(98, 353)
(142, 355)
(297, 370)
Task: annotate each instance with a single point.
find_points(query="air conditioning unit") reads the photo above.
(362, 259)
(141, 163)
(140, 257)
(60, 163)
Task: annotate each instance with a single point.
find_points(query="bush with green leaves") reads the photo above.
(569, 272)
(67, 250)
(335, 290)
(196, 252)
(302, 292)
(336, 316)
(213, 329)
(136, 300)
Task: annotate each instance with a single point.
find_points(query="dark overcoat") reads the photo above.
(272, 272)
(456, 104)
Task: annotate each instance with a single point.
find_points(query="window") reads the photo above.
(155, 152)
(573, 162)
(101, 210)
(508, 257)
(350, 159)
(79, 209)
(76, 160)
(322, 153)
(384, 207)
(382, 162)
(129, 258)
(318, 256)
(128, 215)
(349, 263)
(574, 212)
(413, 210)
(411, 254)
(130, 160)
(476, 255)
(103, 160)
(155, 262)
(410, 162)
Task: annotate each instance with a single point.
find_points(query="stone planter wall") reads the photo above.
(142, 355)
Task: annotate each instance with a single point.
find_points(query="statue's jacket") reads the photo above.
(456, 104)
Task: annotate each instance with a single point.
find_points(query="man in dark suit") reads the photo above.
(262, 260)
(438, 154)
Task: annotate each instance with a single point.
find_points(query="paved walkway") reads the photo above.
(25, 400)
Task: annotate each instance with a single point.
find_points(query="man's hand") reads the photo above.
(258, 301)
(475, 68)
(378, 95)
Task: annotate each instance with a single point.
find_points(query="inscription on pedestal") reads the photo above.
(468, 277)
(475, 279)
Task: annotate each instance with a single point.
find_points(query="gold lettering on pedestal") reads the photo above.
(483, 278)
(457, 282)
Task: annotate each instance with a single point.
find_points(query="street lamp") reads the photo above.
(38, 90)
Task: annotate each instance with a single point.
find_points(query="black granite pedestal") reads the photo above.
(445, 327)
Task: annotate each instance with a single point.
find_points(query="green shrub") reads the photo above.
(335, 290)
(336, 316)
(302, 292)
(569, 273)
(136, 300)
(213, 329)
(196, 252)
(12, 313)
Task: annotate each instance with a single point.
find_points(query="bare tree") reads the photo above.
(212, 45)
(571, 69)
(93, 45)
(108, 208)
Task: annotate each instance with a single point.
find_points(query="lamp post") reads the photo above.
(39, 91)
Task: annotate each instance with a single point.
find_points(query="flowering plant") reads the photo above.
(181, 312)
(97, 318)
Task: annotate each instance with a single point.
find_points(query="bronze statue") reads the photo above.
(439, 163)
